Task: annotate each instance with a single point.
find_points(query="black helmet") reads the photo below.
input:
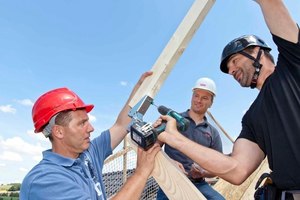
(239, 44)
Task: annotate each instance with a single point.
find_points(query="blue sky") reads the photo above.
(99, 49)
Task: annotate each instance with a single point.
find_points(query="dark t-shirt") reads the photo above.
(273, 120)
(203, 133)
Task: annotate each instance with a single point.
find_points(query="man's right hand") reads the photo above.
(146, 160)
(171, 129)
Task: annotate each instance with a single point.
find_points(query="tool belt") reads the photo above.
(269, 191)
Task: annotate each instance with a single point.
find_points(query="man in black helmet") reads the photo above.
(246, 46)
(271, 126)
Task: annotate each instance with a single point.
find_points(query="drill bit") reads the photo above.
(154, 104)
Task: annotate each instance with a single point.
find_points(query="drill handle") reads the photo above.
(160, 128)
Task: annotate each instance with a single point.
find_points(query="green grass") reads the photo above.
(9, 198)
(4, 187)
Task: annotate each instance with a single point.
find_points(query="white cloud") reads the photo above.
(22, 169)
(92, 118)
(25, 102)
(42, 142)
(37, 158)
(124, 83)
(39, 137)
(8, 109)
(18, 145)
(25, 154)
(10, 156)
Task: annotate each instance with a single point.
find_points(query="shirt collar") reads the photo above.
(186, 115)
(58, 159)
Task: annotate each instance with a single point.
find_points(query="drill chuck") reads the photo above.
(182, 123)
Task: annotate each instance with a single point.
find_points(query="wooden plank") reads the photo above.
(171, 180)
(174, 183)
(173, 50)
(246, 190)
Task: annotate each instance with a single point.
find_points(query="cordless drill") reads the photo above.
(145, 135)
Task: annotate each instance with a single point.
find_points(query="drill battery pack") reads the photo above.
(143, 134)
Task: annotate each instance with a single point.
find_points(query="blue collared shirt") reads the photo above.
(61, 178)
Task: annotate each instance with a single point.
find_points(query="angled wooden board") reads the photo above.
(173, 50)
(175, 185)
(170, 178)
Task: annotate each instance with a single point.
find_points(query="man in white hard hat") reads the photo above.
(201, 132)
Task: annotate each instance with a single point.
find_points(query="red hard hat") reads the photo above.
(53, 102)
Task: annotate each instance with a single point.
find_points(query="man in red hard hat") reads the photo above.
(72, 168)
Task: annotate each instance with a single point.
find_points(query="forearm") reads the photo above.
(134, 186)
(132, 189)
(123, 118)
(119, 129)
(213, 161)
(278, 19)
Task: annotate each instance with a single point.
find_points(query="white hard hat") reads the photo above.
(206, 84)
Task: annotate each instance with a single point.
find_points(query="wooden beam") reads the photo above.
(169, 177)
(173, 182)
(174, 49)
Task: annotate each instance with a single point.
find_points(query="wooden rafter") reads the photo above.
(173, 182)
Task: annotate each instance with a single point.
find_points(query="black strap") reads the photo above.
(255, 64)
(261, 178)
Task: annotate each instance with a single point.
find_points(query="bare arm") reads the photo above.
(119, 130)
(245, 158)
(198, 172)
(134, 186)
(278, 19)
